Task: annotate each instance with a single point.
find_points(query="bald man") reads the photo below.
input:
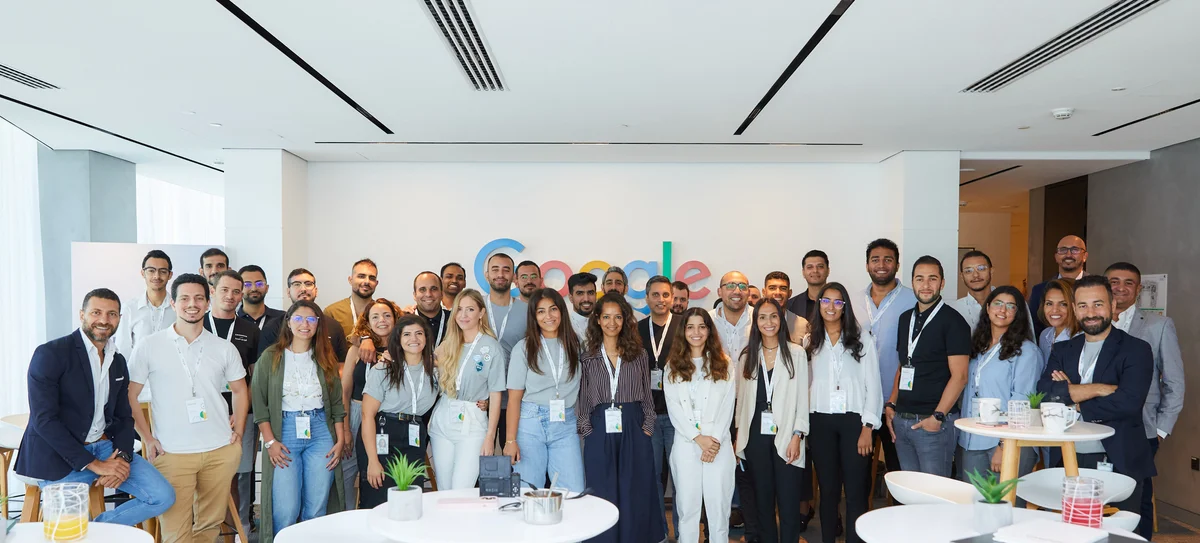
(1071, 256)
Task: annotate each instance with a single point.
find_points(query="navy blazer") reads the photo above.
(1127, 362)
(61, 407)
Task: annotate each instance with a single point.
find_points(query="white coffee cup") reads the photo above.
(1057, 417)
(989, 410)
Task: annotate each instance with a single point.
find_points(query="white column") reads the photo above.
(924, 189)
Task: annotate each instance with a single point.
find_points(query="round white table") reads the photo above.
(583, 518)
(938, 523)
(1036, 436)
(98, 532)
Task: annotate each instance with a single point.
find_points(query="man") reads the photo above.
(615, 279)
(681, 296)
(364, 277)
(196, 442)
(881, 304)
(816, 273)
(976, 270)
(529, 279)
(1071, 256)
(254, 292)
(506, 315)
(935, 346)
(731, 315)
(581, 287)
(222, 321)
(1107, 374)
(427, 293)
(755, 296)
(657, 332)
(151, 312)
(212, 262)
(1164, 401)
(454, 279)
(80, 426)
(302, 285)
(778, 287)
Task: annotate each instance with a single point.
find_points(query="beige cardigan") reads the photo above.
(789, 403)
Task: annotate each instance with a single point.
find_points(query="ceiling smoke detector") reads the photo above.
(1063, 113)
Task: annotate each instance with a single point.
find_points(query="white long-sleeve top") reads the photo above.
(859, 378)
(714, 400)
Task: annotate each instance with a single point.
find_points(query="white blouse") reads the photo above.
(860, 380)
(301, 386)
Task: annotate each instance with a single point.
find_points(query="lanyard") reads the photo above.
(441, 325)
(1085, 376)
(492, 319)
(768, 381)
(187, 368)
(692, 386)
(462, 364)
(614, 376)
(730, 331)
(887, 302)
(557, 369)
(416, 392)
(837, 360)
(655, 346)
(912, 322)
(987, 359)
(157, 315)
(212, 323)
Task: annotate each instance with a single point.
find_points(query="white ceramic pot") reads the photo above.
(404, 504)
(990, 517)
(1035, 418)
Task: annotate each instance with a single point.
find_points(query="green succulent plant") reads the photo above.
(1035, 399)
(991, 488)
(404, 473)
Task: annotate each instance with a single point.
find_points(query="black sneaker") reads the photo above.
(737, 520)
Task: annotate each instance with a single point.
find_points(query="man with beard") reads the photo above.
(454, 279)
(80, 424)
(1164, 402)
(657, 331)
(615, 279)
(731, 315)
(816, 272)
(152, 312)
(529, 279)
(976, 269)
(681, 296)
(935, 346)
(1071, 256)
(302, 285)
(582, 289)
(364, 277)
(212, 262)
(754, 297)
(254, 292)
(778, 287)
(884, 300)
(1107, 374)
(506, 315)
(195, 440)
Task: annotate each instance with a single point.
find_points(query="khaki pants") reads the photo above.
(201, 482)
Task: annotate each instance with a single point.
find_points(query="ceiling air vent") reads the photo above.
(1097, 25)
(23, 78)
(457, 24)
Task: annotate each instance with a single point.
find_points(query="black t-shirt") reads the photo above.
(663, 337)
(244, 338)
(946, 334)
(801, 305)
(437, 323)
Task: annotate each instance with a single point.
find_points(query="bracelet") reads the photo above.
(509, 441)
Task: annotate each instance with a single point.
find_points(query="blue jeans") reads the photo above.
(664, 436)
(549, 447)
(153, 495)
(302, 489)
(924, 451)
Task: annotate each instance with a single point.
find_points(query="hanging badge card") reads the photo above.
(612, 420)
(558, 410)
(837, 401)
(768, 424)
(656, 377)
(381, 444)
(196, 411)
(303, 427)
(414, 435)
(907, 374)
(696, 414)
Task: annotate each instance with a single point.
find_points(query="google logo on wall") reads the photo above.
(690, 272)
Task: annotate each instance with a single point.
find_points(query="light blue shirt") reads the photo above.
(1046, 341)
(899, 300)
(1011, 379)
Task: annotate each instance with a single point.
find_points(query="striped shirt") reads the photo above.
(632, 386)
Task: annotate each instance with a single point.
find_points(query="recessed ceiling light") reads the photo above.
(215, 125)
(219, 162)
(1118, 89)
(1022, 128)
(966, 169)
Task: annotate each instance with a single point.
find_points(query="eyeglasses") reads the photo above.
(998, 305)
(150, 270)
(736, 286)
(980, 268)
(305, 284)
(836, 303)
(259, 284)
(297, 319)
(1072, 250)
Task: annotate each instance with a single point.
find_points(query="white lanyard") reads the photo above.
(416, 392)
(614, 376)
(912, 322)
(730, 330)
(556, 369)
(441, 325)
(187, 368)
(492, 319)
(156, 318)
(655, 346)
(462, 364)
(837, 361)
(212, 323)
(887, 302)
(692, 386)
(1085, 376)
(768, 381)
(987, 359)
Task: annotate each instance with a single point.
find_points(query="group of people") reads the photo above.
(749, 398)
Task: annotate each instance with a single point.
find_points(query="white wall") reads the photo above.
(990, 233)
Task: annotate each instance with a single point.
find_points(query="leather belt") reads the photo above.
(103, 437)
(402, 417)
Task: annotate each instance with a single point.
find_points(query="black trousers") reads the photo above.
(1145, 527)
(776, 485)
(834, 440)
(397, 433)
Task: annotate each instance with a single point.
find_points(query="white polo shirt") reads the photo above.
(140, 320)
(215, 362)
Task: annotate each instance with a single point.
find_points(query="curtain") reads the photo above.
(22, 292)
(176, 215)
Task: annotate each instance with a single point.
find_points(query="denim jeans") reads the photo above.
(664, 436)
(549, 447)
(302, 489)
(924, 451)
(152, 494)
(350, 465)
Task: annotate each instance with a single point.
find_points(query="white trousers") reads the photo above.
(696, 482)
(455, 443)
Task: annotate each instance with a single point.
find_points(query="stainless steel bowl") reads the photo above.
(542, 506)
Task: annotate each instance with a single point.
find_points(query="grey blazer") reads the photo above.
(1165, 400)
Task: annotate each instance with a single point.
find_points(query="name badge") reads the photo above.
(414, 435)
(837, 401)
(696, 414)
(768, 424)
(196, 411)
(907, 374)
(612, 420)
(1104, 466)
(558, 410)
(656, 377)
(303, 427)
(381, 444)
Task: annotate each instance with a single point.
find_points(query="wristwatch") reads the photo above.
(124, 456)
(268, 444)
(798, 434)
(891, 405)
(869, 426)
(941, 417)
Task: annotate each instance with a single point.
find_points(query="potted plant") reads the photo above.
(1035, 406)
(992, 512)
(404, 500)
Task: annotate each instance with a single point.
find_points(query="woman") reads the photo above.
(699, 391)
(846, 403)
(1058, 314)
(470, 367)
(772, 421)
(615, 416)
(540, 437)
(395, 399)
(1004, 364)
(377, 326)
(299, 411)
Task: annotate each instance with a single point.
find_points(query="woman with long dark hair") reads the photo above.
(846, 404)
(397, 396)
(541, 432)
(1057, 313)
(772, 422)
(699, 391)
(615, 415)
(1005, 364)
(376, 324)
(299, 411)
